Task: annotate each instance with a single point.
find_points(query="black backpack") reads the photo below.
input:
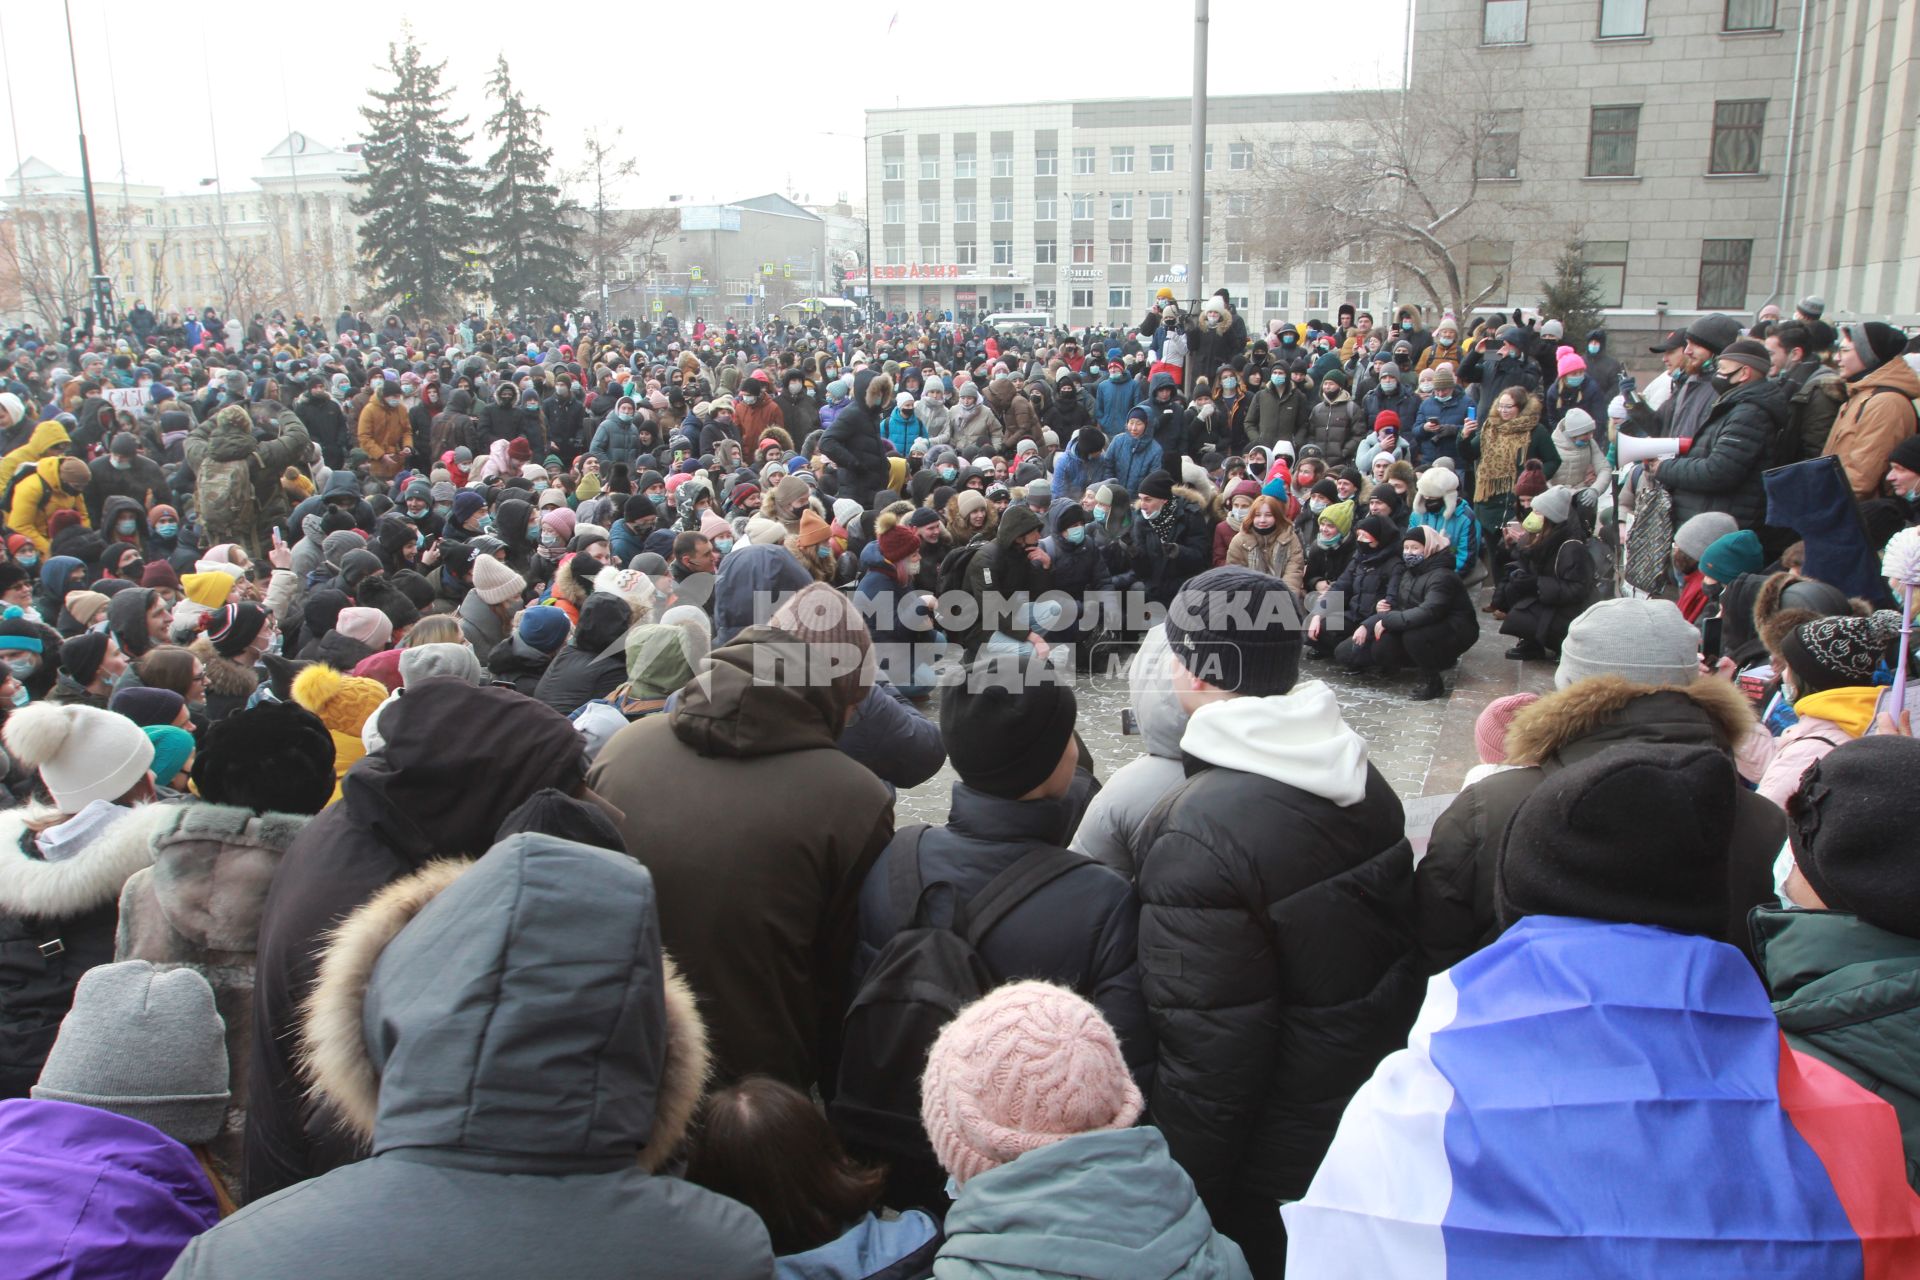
(921, 978)
(952, 575)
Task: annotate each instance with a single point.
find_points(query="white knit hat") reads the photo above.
(83, 754)
(494, 582)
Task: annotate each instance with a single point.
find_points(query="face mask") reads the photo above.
(1575, 379)
(659, 501)
(1433, 505)
(1593, 348)
(1329, 541)
(1228, 384)
(21, 668)
(1534, 523)
(1389, 385)
(1100, 515)
(548, 538)
(948, 473)
(1117, 375)
(1317, 505)
(1412, 557)
(1236, 516)
(1330, 392)
(393, 402)
(1720, 382)
(751, 397)
(21, 697)
(723, 545)
(122, 464)
(826, 551)
(123, 526)
(29, 559)
(486, 524)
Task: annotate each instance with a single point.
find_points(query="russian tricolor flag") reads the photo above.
(1584, 1099)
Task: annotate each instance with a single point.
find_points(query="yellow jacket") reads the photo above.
(37, 497)
(46, 436)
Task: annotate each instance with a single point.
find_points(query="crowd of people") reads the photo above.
(529, 703)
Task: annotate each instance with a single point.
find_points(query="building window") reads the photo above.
(1003, 253)
(1003, 209)
(1083, 252)
(963, 211)
(1490, 267)
(1613, 142)
(964, 165)
(1503, 22)
(1003, 164)
(1606, 263)
(1082, 206)
(1737, 127)
(1120, 160)
(1120, 208)
(1160, 204)
(1043, 299)
(1239, 204)
(1319, 285)
(1046, 163)
(1083, 298)
(1209, 158)
(896, 255)
(894, 212)
(1046, 252)
(1159, 250)
(1276, 299)
(1723, 274)
(1160, 158)
(1499, 156)
(1046, 209)
(1622, 18)
(1120, 252)
(966, 254)
(1236, 251)
(929, 211)
(1119, 297)
(1749, 15)
(1239, 155)
(893, 169)
(929, 168)
(1082, 161)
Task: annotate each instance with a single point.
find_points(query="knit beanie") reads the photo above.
(369, 626)
(1754, 355)
(160, 575)
(342, 702)
(1832, 653)
(146, 1043)
(83, 754)
(1570, 361)
(1577, 423)
(544, 627)
(1006, 724)
(1702, 531)
(1555, 503)
(1850, 825)
(1636, 834)
(1731, 555)
(1443, 377)
(494, 582)
(898, 544)
(1157, 485)
(81, 656)
(172, 748)
(1237, 630)
(1491, 725)
(1646, 641)
(1907, 453)
(1874, 342)
(1715, 332)
(84, 605)
(447, 658)
(1027, 1065)
(208, 590)
(74, 474)
(1340, 516)
(1532, 480)
(827, 620)
(232, 628)
(813, 530)
(147, 706)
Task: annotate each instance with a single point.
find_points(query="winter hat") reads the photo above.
(1636, 834)
(1754, 355)
(898, 544)
(1532, 480)
(1006, 724)
(1731, 555)
(83, 605)
(146, 706)
(81, 656)
(172, 748)
(712, 526)
(813, 530)
(146, 1043)
(1340, 516)
(369, 626)
(1577, 423)
(274, 757)
(1233, 628)
(1443, 377)
(1850, 826)
(448, 658)
(1832, 653)
(83, 754)
(1158, 485)
(1907, 453)
(1027, 1065)
(208, 590)
(342, 702)
(1874, 342)
(15, 410)
(1555, 504)
(1617, 409)
(494, 583)
(921, 517)
(160, 575)
(544, 627)
(1491, 725)
(1702, 531)
(1570, 361)
(827, 620)
(1715, 332)
(1646, 641)
(231, 629)
(1552, 329)
(1437, 482)
(74, 474)
(1387, 420)
(519, 450)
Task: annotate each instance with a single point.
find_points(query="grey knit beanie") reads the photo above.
(1556, 504)
(1702, 531)
(444, 659)
(1646, 641)
(146, 1043)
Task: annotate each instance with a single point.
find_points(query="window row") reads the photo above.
(1046, 162)
(1081, 208)
(1505, 21)
(1613, 142)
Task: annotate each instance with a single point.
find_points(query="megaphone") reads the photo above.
(1646, 448)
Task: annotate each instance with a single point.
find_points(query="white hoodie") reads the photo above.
(1298, 738)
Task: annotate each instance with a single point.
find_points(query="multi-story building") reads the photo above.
(1080, 209)
(286, 239)
(743, 260)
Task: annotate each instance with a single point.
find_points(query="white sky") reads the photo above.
(717, 101)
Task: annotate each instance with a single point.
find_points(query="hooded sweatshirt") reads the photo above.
(1109, 830)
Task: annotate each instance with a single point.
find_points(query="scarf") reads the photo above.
(1162, 523)
(1502, 443)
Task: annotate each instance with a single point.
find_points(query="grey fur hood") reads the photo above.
(204, 892)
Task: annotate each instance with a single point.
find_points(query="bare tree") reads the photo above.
(1416, 182)
(606, 232)
(45, 253)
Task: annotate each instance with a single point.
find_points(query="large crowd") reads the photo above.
(449, 799)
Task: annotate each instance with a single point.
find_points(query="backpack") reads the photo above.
(20, 473)
(952, 574)
(920, 979)
(224, 495)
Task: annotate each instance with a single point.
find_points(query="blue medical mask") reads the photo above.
(28, 559)
(1317, 505)
(548, 538)
(21, 668)
(948, 473)
(124, 526)
(165, 530)
(1076, 535)
(659, 501)
(1334, 541)
(1593, 348)
(723, 545)
(122, 464)
(1575, 379)
(826, 551)
(20, 696)
(443, 511)
(1100, 515)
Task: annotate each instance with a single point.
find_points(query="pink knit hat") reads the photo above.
(1490, 729)
(369, 626)
(712, 526)
(1025, 1066)
(1571, 362)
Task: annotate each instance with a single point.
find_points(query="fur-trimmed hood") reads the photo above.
(518, 1008)
(1602, 710)
(212, 864)
(225, 677)
(91, 878)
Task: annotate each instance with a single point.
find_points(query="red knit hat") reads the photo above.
(520, 450)
(1387, 418)
(899, 544)
(1532, 481)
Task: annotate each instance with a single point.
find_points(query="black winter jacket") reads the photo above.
(576, 677)
(1431, 594)
(1159, 566)
(1370, 577)
(1721, 470)
(853, 444)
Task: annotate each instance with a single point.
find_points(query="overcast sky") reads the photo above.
(717, 101)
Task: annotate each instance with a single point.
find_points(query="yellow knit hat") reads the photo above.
(209, 590)
(343, 703)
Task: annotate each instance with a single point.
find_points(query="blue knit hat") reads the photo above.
(544, 627)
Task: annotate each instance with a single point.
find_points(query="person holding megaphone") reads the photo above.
(1719, 469)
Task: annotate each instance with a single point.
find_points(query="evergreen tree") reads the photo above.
(420, 232)
(1571, 297)
(529, 244)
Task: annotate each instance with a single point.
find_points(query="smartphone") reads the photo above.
(279, 539)
(1129, 722)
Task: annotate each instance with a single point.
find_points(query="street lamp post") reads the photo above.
(866, 170)
(102, 307)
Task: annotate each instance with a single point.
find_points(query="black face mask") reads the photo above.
(1720, 383)
(1434, 505)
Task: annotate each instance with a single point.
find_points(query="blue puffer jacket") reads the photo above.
(901, 430)
(1462, 530)
(1443, 441)
(1073, 473)
(1111, 401)
(1133, 459)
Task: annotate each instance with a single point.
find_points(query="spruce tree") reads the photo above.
(1571, 297)
(420, 232)
(529, 245)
